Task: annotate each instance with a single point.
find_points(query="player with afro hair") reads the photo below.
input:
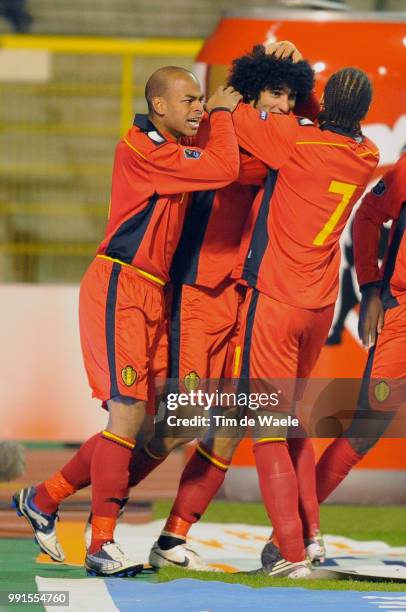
(255, 72)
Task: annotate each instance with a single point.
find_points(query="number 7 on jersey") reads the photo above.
(346, 190)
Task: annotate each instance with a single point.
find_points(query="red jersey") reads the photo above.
(150, 175)
(208, 249)
(211, 235)
(387, 200)
(290, 249)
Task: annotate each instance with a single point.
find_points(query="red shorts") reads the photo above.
(123, 331)
(384, 383)
(203, 322)
(279, 341)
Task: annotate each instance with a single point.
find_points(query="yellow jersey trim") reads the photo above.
(237, 357)
(263, 440)
(134, 149)
(328, 144)
(147, 275)
(373, 153)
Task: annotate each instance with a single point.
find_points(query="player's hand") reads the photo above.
(284, 49)
(223, 97)
(371, 317)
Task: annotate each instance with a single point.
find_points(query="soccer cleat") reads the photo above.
(87, 534)
(179, 556)
(275, 566)
(111, 562)
(43, 525)
(315, 549)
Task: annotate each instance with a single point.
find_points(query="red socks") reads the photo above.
(77, 470)
(333, 466)
(302, 454)
(201, 479)
(73, 476)
(109, 476)
(279, 490)
(51, 492)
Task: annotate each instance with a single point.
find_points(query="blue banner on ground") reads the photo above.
(189, 595)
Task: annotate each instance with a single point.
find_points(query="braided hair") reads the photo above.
(347, 97)
(256, 71)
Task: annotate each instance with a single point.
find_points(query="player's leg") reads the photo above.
(201, 479)
(206, 469)
(41, 510)
(117, 360)
(115, 332)
(315, 327)
(386, 362)
(269, 349)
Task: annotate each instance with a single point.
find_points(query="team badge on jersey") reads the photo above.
(192, 153)
(382, 391)
(128, 375)
(263, 115)
(379, 188)
(192, 381)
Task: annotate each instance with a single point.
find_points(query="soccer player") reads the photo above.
(290, 259)
(290, 262)
(209, 246)
(207, 300)
(121, 305)
(382, 327)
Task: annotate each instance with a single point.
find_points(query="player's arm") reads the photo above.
(175, 168)
(270, 138)
(381, 204)
(252, 171)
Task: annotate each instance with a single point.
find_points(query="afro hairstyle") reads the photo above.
(256, 71)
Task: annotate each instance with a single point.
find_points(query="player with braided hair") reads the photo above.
(289, 258)
(346, 99)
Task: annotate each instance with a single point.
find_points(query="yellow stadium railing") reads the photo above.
(127, 49)
(57, 137)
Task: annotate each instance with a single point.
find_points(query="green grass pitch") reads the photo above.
(359, 522)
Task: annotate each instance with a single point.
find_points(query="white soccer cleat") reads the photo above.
(42, 524)
(315, 549)
(275, 566)
(110, 561)
(178, 556)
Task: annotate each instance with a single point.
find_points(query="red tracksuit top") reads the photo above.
(290, 250)
(151, 177)
(387, 200)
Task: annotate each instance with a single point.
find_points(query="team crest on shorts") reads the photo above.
(128, 375)
(382, 391)
(192, 381)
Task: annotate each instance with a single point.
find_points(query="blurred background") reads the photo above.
(64, 103)
(72, 74)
